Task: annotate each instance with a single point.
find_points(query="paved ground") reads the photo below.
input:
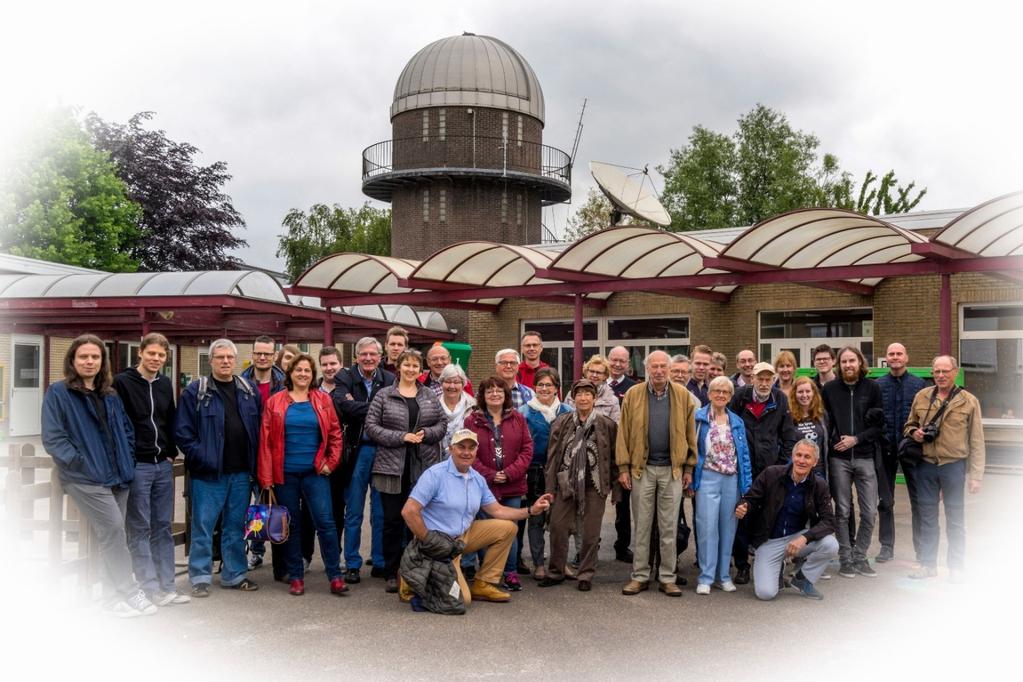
(864, 629)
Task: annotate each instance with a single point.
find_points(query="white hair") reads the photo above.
(646, 360)
(452, 371)
(507, 351)
(367, 340)
(223, 343)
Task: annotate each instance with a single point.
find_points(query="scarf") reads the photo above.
(549, 412)
(456, 417)
(580, 457)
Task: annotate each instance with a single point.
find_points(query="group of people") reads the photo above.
(459, 478)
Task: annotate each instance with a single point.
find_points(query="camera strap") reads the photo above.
(944, 404)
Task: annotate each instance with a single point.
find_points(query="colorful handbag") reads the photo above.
(267, 520)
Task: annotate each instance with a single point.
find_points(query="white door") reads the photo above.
(26, 385)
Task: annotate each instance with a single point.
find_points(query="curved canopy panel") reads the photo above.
(484, 264)
(634, 252)
(247, 283)
(358, 272)
(630, 194)
(400, 314)
(994, 228)
(819, 237)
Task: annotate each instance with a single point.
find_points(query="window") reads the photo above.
(442, 124)
(991, 358)
(640, 335)
(426, 205)
(426, 125)
(519, 143)
(442, 206)
(504, 126)
(800, 331)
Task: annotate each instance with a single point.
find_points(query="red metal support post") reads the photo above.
(945, 315)
(577, 340)
(328, 329)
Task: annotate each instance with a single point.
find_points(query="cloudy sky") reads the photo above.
(288, 94)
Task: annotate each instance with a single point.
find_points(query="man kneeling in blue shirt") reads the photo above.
(447, 498)
(784, 499)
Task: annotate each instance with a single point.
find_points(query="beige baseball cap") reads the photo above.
(464, 434)
(763, 367)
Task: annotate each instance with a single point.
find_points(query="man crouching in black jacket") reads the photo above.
(784, 499)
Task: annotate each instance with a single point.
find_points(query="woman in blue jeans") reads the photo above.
(723, 474)
(300, 445)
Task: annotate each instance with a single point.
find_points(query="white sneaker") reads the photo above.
(134, 606)
(727, 586)
(703, 588)
(825, 576)
(168, 598)
(255, 561)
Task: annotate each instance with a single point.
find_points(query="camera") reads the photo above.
(930, 432)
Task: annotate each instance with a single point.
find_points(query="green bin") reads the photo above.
(460, 353)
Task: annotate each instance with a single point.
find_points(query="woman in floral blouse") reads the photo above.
(723, 474)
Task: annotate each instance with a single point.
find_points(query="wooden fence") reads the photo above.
(71, 547)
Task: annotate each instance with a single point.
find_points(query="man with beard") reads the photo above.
(852, 458)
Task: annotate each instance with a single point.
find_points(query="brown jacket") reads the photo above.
(961, 435)
(605, 433)
(631, 450)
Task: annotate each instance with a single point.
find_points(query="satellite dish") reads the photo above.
(629, 194)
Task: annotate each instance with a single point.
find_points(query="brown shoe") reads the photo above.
(484, 591)
(670, 589)
(635, 587)
(584, 586)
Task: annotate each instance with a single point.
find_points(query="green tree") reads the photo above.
(325, 230)
(592, 215)
(764, 168)
(62, 201)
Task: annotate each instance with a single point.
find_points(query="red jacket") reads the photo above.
(527, 374)
(270, 466)
(517, 446)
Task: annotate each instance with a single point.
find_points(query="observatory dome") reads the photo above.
(469, 70)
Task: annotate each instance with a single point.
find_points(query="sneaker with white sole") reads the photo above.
(134, 606)
(703, 588)
(726, 586)
(168, 598)
(805, 587)
(255, 561)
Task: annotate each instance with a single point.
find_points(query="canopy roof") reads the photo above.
(191, 306)
(994, 228)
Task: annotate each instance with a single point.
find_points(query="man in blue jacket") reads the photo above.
(217, 428)
(91, 440)
(349, 483)
(148, 398)
(898, 388)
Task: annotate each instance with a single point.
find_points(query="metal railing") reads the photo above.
(466, 152)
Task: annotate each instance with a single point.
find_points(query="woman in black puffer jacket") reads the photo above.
(407, 424)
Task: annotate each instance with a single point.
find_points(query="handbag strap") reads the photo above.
(268, 494)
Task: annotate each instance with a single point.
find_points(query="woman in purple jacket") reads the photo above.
(504, 454)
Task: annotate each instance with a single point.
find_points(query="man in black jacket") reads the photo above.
(784, 500)
(854, 445)
(148, 398)
(770, 433)
(620, 382)
(349, 483)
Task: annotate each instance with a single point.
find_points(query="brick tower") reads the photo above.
(466, 159)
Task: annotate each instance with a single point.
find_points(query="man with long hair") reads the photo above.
(86, 431)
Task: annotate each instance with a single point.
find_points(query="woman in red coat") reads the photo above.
(299, 445)
(504, 454)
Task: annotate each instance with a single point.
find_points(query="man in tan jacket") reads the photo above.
(953, 447)
(655, 454)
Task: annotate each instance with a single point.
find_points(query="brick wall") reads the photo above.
(905, 310)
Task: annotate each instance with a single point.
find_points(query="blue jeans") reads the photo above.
(947, 482)
(230, 495)
(715, 524)
(148, 525)
(355, 504)
(315, 490)
(513, 553)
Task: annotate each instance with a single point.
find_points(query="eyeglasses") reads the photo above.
(508, 363)
(544, 385)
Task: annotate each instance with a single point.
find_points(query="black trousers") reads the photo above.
(394, 524)
(535, 485)
(886, 469)
(623, 523)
